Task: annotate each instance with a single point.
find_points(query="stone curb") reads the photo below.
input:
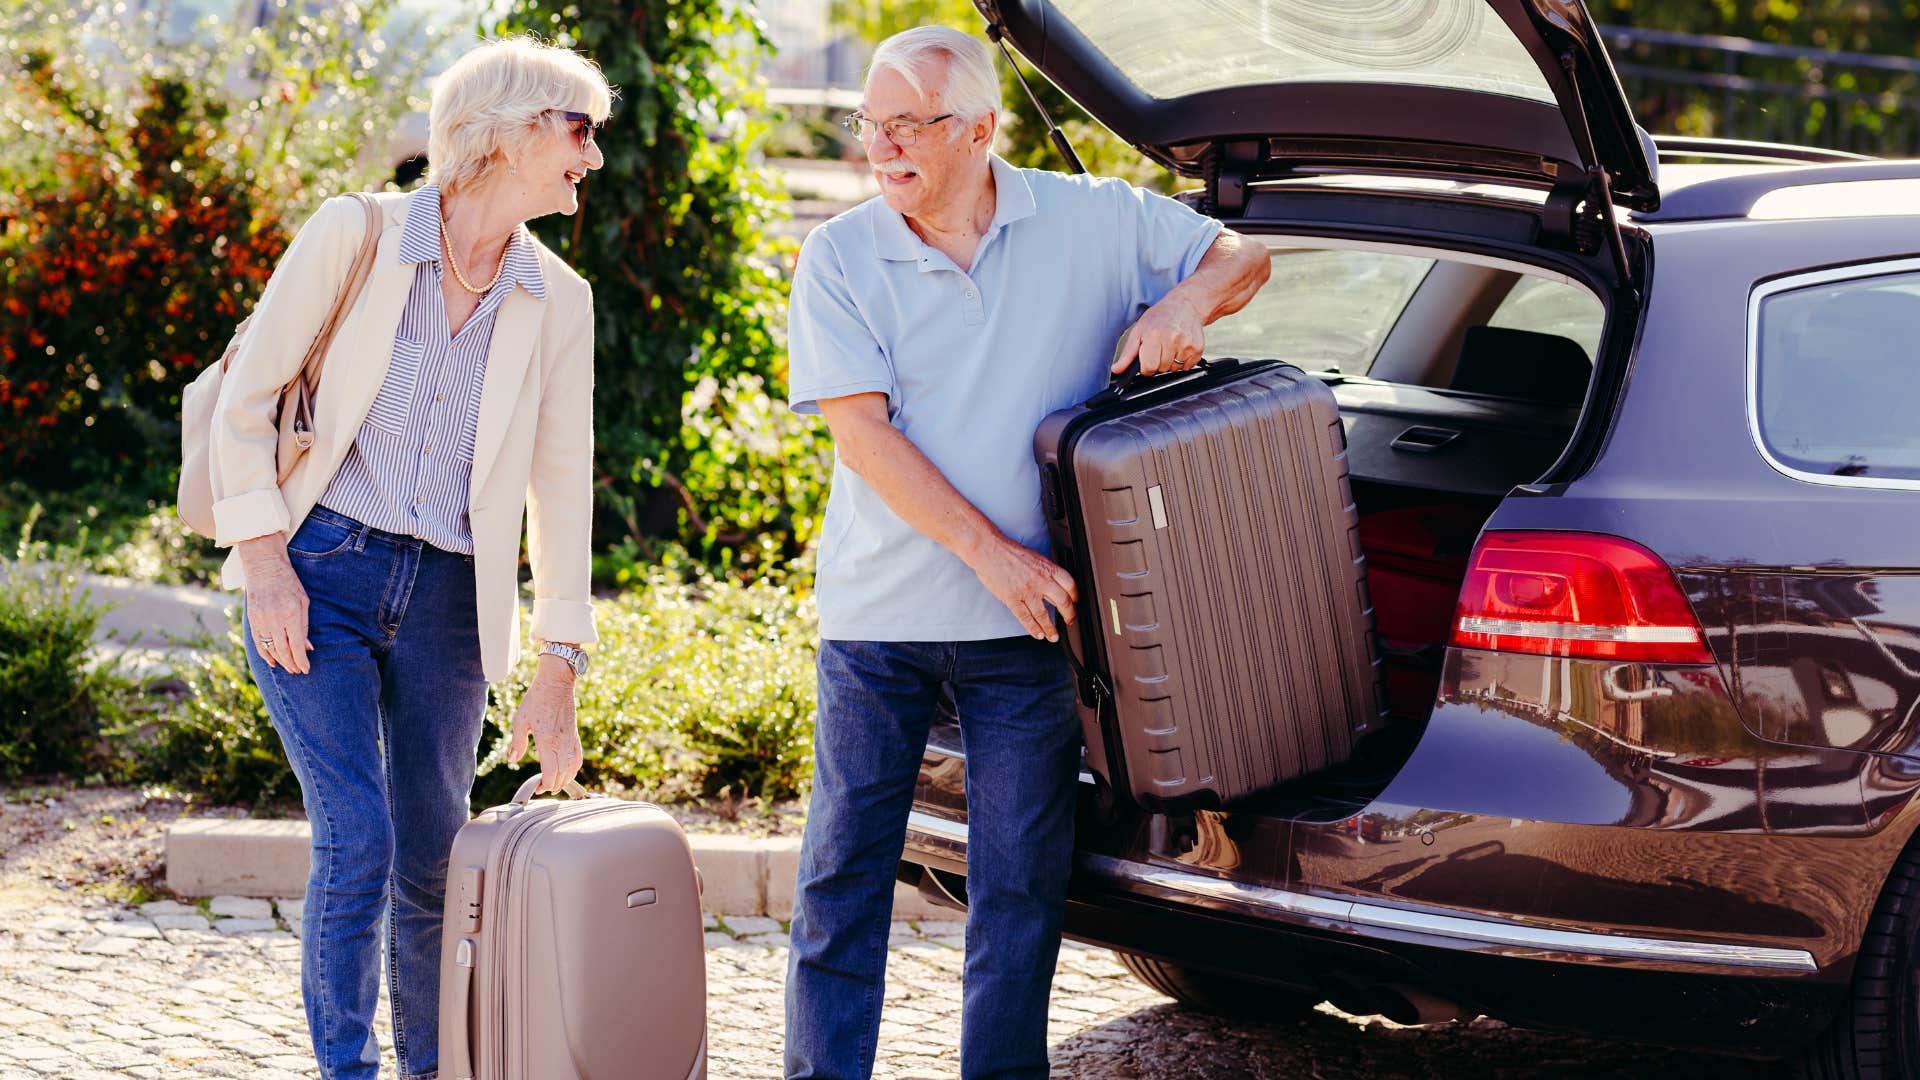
(743, 876)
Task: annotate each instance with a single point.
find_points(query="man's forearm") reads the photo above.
(913, 487)
(1229, 274)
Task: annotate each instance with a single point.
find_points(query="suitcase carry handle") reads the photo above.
(460, 1050)
(1130, 382)
(521, 797)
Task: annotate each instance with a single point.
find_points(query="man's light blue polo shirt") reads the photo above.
(971, 362)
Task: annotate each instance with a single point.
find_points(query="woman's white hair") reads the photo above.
(490, 105)
(973, 87)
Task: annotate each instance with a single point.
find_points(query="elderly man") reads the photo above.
(933, 328)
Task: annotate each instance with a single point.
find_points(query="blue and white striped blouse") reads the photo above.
(411, 462)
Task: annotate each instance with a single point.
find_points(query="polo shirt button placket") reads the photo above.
(976, 313)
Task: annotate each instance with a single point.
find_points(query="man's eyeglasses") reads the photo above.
(900, 132)
(584, 127)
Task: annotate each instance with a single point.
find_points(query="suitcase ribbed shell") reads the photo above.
(1211, 527)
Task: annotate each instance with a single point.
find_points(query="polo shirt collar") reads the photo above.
(420, 242)
(894, 239)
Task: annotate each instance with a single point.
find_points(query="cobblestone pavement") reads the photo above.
(91, 989)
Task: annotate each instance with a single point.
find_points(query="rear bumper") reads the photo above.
(1729, 994)
(943, 841)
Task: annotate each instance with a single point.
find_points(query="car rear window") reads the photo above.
(1836, 386)
(1546, 306)
(1174, 48)
(1322, 310)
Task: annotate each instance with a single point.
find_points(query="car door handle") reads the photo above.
(1423, 440)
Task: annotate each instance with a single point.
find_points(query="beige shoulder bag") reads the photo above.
(294, 410)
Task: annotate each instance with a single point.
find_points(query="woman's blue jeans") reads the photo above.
(382, 735)
(877, 700)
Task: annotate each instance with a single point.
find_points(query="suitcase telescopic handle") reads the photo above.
(525, 794)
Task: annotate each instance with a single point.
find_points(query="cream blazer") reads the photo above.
(533, 450)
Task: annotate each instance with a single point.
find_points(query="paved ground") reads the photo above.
(91, 988)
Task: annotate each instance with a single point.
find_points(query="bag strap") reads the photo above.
(1093, 689)
(356, 280)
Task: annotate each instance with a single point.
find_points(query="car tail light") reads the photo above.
(1575, 594)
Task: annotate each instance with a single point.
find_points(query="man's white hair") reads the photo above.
(494, 100)
(972, 89)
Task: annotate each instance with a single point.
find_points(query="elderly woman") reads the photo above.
(382, 575)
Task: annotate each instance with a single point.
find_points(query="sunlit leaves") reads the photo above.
(170, 162)
(686, 281)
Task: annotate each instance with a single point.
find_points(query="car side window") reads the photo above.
(1545, 306)
(1836, 387)
(1321, 310)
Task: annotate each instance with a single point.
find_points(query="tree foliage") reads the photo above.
(1818, 100)
(153, 186)
(672, 233)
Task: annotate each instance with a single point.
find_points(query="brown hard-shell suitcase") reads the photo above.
(1224, 639)
(573, 946)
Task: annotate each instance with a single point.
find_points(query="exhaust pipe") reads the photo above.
(1403, 1004)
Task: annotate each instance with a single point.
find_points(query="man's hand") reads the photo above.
(276, 603)
(869, 444)
(547, 712)
(1026, 582)
(1169, 337)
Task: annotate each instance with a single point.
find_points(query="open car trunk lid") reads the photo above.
(1505, 91)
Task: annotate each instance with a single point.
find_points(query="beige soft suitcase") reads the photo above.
(573, 946)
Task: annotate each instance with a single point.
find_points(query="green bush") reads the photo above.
(217, 739)
(688, 286)
(758, 468)
(149, 190)
(696, 688)
(111, 530)
(54, 702)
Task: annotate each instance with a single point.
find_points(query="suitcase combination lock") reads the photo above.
(470, 878)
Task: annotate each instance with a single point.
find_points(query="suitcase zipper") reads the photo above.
(514, 844)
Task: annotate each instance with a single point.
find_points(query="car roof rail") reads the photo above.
(1735, 196)
(1750, 151)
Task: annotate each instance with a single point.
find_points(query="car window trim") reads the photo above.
(1424, 251)
(1768, 289)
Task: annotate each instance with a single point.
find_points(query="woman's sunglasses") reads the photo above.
(584, 127)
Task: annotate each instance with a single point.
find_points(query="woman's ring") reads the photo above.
(266, 642)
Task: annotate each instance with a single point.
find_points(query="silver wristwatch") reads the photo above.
(576, 659)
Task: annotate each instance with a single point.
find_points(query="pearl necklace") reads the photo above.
(447, 243)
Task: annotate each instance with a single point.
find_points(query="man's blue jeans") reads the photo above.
(877, 700)
(382, 735)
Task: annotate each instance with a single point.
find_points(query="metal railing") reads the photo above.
(1737, 88)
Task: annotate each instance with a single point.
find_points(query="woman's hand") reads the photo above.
(276, 603)
(547, 712)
